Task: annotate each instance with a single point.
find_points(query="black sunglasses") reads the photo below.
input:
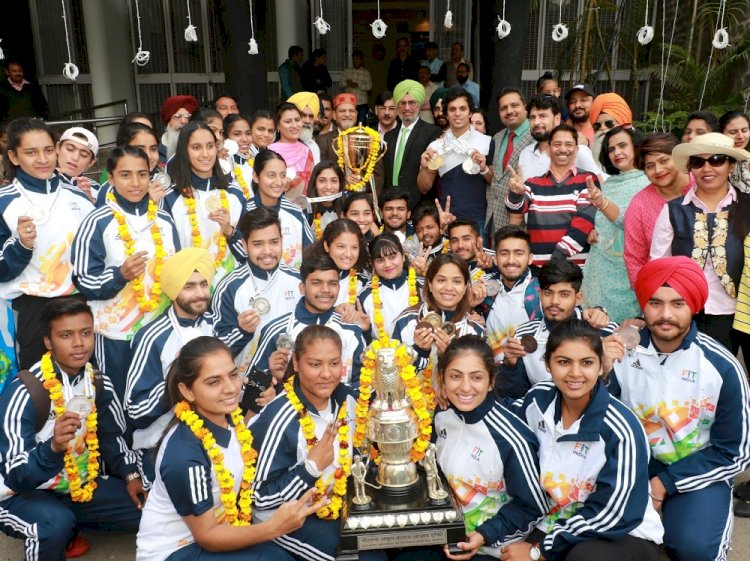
(715, 161)
(608, 124)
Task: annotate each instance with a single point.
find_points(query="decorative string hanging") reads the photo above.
(645, 33)
(746, 97)
(448, 23)
(190, 31)
(2, 54)
(70, 70)
(252, 43)
(560, 30)
(721, 37)
(378, 26)
(665, 61)
(141, 57)
(503, 26)
(321, 24)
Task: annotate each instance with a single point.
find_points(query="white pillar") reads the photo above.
(291, 26)
(110, 53)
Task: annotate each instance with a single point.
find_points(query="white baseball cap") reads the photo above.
(74, 134)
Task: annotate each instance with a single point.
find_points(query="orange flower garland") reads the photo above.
(352, 286)
(377, 303)
(412, 281)
(414, 391)
(235, 516)
(242, 183)
(332, 511)
(151, 302)
(476, 275)
(317, 226)
(78, 493)
(446, 246)
(195, 230)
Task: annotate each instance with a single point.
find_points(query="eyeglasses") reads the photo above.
(608, 124)
(715, 161)
(403, 104)
(181, 116)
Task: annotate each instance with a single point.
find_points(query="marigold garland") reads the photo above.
(419, 401)
(195, 230)
(317, 226)
(78, 493)
(476, 275)
(446, 246)
(146, 303)
(352, 293)
(237, 509)
(332, 511)
(242, 182)
(412, 281)
(372, 157)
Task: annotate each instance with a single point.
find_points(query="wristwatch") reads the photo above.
(534, 553)
(132, 476)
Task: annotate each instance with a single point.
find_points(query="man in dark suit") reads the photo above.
(344, 117)
(19, 97)
(408, 141)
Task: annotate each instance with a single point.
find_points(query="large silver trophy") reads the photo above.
(406, 506)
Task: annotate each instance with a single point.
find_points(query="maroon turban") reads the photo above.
(173, 104)
(680, 273)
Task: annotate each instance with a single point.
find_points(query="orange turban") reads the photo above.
(344, 98)
(680, 273)
(611, 104)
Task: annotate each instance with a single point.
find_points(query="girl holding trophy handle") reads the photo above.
(304, 441)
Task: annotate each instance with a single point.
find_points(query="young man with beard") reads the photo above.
(186, 278)
(579, 99)
(558, 213)
(692, 398)
(429, 241)
(544, 115)
(309, 107)
(324, 122)
(396, 214)
(462, 76)
(508, 146)
(560, 297)
(256, 293)
(460, 146)
(319, 289)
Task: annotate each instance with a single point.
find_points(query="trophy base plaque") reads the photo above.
(396, 522)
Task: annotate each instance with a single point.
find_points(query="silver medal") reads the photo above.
(261, 305)
(410, 246)
(285, 341)
(37, 214)
(162, 179)
(470, 166)
(630, 336)
(291, 173)
(231, 147)
(80, 405)
(493, 287)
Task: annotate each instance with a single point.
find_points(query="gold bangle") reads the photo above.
(604, 207)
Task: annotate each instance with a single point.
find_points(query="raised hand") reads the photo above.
(445, 214)
(594, 194)
(516, 180)
(483, 260)
(419, 262)
(134, 266)
(26, 231)
(64, 431)
(322, 452)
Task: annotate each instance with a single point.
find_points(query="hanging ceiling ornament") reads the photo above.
(721, 37)
(190, 31)
(252, 43)
(378, 26)
(321, 24)
(448, 23)
(141, 57)
(645, 33)
(560, 31)
(503, 26)
(2, 54)
(70, 70)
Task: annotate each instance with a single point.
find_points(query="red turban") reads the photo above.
(680, 273)
(614, 106)
(173, 104)
(344, 98)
